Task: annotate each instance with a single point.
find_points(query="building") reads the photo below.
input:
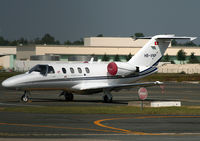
(7, 56)
(93, 46)
(96, 46)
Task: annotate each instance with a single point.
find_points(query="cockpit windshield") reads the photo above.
(43, 69)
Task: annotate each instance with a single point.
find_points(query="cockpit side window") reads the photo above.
(51, 70)
(39, 68)
(43, 69)
(35, 68)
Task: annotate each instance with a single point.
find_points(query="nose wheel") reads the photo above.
(25, 97)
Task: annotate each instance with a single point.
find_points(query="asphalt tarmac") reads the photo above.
(98, 126)
(187, 93)
(30, 126)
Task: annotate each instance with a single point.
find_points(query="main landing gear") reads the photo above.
(68, 96)
(107, 96)
(25, 97)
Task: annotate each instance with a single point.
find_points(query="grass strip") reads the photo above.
(105, 110)
(172, 77)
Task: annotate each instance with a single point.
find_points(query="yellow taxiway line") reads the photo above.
(99, 123)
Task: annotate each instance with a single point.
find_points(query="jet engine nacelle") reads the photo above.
(120, 68)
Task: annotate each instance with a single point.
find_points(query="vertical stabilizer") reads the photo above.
(152, 51)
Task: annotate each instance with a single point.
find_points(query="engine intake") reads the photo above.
(112, 68)
(120, 68)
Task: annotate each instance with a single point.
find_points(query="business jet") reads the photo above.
(94, 77)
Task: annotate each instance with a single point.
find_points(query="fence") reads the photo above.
(178, 68)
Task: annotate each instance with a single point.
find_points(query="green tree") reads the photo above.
(190, 44)
(166, 58)
(105, 58)
(37, 41)
(128, 57)
(116, 58)
(3, 42)
(57, 42)
(22, 41)
(78, 42)
(174, 42)
(48, 39)
(181, 55)
(139, 34)
(67, 42)
(193, 58)
(100, 35)
(13, 43)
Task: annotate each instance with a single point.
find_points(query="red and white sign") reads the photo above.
(143, 93)
(156, 43)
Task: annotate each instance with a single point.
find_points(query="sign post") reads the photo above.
(143, 93)
(162, 88)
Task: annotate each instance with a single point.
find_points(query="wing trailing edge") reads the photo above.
(88, 86)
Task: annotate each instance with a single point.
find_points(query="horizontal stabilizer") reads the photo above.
(168, 37)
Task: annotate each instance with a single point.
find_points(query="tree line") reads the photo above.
(181, 56)
(46, 39)
(50, 40)
(106, 57)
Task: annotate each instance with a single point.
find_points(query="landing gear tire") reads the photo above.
(107, 96)
(69, 97)
(25, 98)
(107, 99)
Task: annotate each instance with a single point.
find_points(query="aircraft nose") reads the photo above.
(14, 81)
(5, 83)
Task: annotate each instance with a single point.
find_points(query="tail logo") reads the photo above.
(156, 43)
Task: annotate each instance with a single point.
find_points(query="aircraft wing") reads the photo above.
(88, 86)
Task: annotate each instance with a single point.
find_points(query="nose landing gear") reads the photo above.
(25, 97)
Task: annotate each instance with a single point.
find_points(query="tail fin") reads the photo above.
(152, 52)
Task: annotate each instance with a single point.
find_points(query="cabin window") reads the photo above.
(71, 70)
(51, 70)
(79, 70)
(87, 70)
(64, 70)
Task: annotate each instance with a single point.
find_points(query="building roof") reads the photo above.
(5, 50)
(114, 42)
